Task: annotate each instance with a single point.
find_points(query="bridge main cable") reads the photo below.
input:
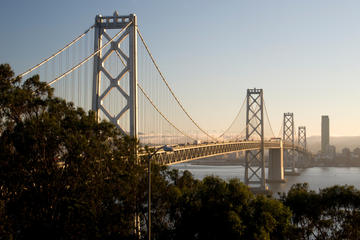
(171, 91)
(267, 117)
(87, 59)
(233, 122)
(152, 103)
(57, 53)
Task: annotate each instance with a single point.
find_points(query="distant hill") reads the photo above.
(314, 143)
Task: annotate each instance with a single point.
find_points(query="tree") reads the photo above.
(216, 209)
(333, 213)
(62, 174)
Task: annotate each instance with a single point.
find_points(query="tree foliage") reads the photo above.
(333, 213)
(216, 209)
(63, 175)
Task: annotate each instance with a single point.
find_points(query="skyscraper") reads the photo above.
(325, 133)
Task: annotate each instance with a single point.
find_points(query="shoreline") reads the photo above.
(341, 165)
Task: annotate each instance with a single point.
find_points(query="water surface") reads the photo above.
(316, 177)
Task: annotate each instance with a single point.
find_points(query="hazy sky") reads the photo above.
(305, 54)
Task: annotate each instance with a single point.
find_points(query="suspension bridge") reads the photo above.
(109, 69)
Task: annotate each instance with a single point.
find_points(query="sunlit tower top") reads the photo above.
(128, 26)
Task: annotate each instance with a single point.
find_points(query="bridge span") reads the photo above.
(128, 89)
(187, 153)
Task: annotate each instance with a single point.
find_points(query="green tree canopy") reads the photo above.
(61, 173)
(333, 213)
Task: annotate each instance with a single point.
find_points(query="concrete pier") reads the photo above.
(276, 166)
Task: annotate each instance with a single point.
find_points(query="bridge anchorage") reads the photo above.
(129, 90)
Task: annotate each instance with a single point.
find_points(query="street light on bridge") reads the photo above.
(166, 148)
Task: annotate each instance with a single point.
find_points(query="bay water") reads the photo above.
(316, 177)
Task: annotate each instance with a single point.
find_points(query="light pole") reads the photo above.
(166, 149)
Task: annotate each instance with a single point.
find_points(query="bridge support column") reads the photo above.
(302, 156)
(288, 136)
(107, 83)
(276, 165)
(254, 159)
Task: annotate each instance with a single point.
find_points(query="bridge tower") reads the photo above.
(129, 59)
(288, 136)
(302, 137)
(254, 159)
(302, 142)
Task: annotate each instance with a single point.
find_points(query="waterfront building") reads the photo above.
(332, 152)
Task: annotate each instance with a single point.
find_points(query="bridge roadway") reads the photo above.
(186, 153)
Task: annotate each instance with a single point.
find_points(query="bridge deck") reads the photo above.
(188, 153)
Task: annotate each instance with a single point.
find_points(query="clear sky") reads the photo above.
(305, 54)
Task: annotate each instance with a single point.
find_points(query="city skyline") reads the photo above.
(304, 55)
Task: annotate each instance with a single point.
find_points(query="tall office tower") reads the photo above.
(325, 134)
